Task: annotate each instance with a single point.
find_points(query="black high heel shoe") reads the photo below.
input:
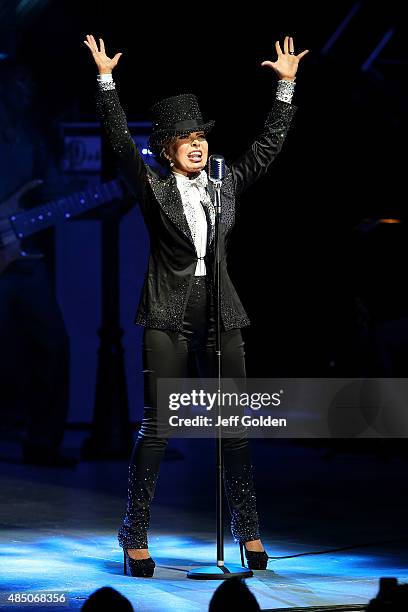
(143, 568)
(256, 560)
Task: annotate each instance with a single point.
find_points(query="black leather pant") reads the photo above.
(166, 354)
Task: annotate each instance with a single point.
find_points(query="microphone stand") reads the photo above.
(219, 571)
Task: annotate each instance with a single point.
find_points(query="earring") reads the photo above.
(171, 163)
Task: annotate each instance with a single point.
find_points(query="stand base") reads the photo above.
(215, 572)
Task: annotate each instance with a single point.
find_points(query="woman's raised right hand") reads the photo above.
(104, 63)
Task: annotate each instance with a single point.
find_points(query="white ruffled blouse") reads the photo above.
(194, 197)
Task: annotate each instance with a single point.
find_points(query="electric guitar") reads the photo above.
(16, 223)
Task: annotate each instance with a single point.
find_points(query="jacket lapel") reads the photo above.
(169, 199)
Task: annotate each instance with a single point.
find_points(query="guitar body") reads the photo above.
(10, 245)
(16, 223)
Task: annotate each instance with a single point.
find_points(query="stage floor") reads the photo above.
(59, 528)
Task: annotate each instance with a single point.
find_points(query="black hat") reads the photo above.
(176, 116)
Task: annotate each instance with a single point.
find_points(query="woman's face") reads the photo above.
(189, 153)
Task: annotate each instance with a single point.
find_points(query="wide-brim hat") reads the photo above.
(176, 116)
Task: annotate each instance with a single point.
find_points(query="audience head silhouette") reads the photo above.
(233, 594)
(391, 597)
(107, 598)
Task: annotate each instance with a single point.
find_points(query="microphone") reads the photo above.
(216, 169)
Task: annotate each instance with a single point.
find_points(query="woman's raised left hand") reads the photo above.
(287, 63)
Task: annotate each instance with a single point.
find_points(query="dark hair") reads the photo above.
(158, 152)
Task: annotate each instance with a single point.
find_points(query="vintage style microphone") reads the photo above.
(216, 172)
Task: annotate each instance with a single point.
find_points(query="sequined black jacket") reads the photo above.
(173, 257)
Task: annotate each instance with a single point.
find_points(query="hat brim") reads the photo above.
(158, 138)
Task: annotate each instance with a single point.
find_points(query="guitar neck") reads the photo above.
(38, 218)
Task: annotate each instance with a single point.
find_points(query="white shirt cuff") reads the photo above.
(105, 77)
(285, 90)
(105, 82)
